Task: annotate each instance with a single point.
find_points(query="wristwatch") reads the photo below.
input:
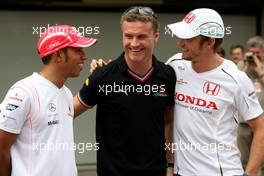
(170, 165)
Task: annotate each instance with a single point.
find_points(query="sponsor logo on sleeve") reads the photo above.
(87, 82)
(11, 107)
(16, 97)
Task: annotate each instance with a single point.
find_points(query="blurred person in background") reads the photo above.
(237, 53)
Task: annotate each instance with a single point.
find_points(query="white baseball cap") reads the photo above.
(202, 21)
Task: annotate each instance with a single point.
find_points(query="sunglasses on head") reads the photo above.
(145, 11)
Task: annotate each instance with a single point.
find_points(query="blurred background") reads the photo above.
(22, 21)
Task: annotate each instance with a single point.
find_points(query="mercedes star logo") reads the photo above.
(52, 107)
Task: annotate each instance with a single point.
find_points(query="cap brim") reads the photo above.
(182, 30)
(84, 42)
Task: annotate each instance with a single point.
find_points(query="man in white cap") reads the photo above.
(36, 132)
(210, 91)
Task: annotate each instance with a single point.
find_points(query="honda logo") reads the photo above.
(189, 18)
(211, 88)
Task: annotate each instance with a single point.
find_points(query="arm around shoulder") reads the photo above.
(79, 107)
(87, 96)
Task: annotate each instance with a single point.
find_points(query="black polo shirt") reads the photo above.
(130, 117)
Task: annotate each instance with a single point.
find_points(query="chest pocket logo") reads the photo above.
(211, 88)
(52, 107)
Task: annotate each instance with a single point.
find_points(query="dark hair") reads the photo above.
(221, 52)
(235, 47)
(46, 60)
(140, 13)
(218, 42)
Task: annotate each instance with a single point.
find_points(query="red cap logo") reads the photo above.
(189, 17)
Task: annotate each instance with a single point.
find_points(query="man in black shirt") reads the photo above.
(133, 94)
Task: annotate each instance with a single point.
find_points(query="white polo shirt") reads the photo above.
(205, 126)
(42, 115)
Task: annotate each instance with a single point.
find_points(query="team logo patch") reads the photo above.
(16, 97)
(211, 88)
(87, 82)
(181, 81)
(52, 107)
(189, 18)
(11, 107)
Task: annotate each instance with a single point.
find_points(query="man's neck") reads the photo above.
(55, 77)
(207, 63)
(140, 68)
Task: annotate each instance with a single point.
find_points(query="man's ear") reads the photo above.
(157, 36)
(211, 42)
(60, 56)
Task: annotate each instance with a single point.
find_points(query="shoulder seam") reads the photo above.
(172, 60)
(234, 81)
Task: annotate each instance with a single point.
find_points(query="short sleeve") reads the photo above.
(69, 101)
(87, 94)
(246, 99)
(171, 86)
(14, 110)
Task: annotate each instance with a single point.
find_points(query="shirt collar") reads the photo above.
(123, 65)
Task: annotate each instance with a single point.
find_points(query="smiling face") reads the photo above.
(74, 60)
(139, 39)
(190, 48)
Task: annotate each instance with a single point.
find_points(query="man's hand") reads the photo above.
(245, 62)
(169, 171)
(97, 63)
(258, 66)
(252, 60)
